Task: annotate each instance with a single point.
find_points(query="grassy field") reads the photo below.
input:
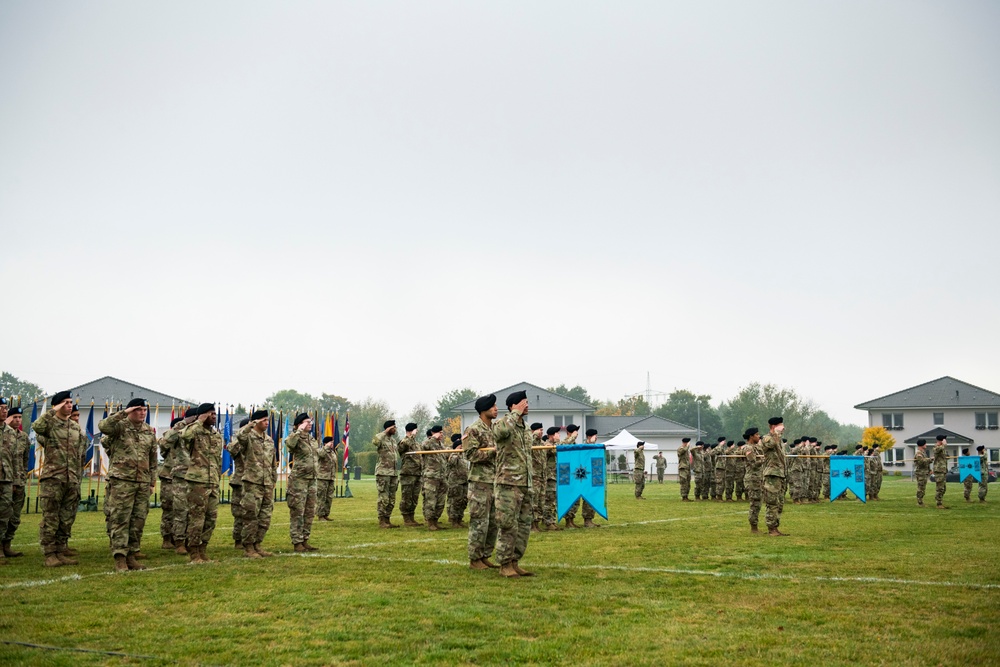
(662, 583)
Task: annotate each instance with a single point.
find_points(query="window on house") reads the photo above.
(558, 420)
(939, 419)
(994, 455)
(986, 420)
(892, 421)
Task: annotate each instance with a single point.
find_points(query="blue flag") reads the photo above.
(31, 449)
(969, 465)
(847, 473)
(88, 457)
(580, 474)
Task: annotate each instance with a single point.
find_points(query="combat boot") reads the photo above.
(774, 532)
(238, 545)
(168, 544)
(10, 553)
(570, 523)
(250, 552)
(66, 551)
(138, 555)
(478, 565)
(195, 554)
(53, 560)
(553, 526)
(309, 547)
(410, 522)
(300, 548)
(204, 555)
(132, 563)
(432, 524)
(258, 549)
(120, 564)
(66, 560)
(521, 572)
(507, 570)
(490, 564)
(589, 523)
(753, 529)
(182, 549)
(459, 524)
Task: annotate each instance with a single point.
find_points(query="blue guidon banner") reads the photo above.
(847, 473)
(969, 465)
(580, 473)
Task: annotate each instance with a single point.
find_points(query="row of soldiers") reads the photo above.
(922, 464)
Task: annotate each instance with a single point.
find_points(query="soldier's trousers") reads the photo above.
(942, 486)
(921, 488)
(640, 482)
(409, 494)
(435, 494)
(482, 521)
(203, 512)
(301, 508)
(730, 484)
(257, 505)
(538, 497)
(718, 482)
(739, 486)
(774, 500)
(513, 511)
(325, 490)
(166, 509)
(180, 492)
(6, 506)
(458, 498)
(129, 504)
(236, 507)
(60, 499)
(659, 476)
(754, 493)
(795, 484)
(386, 485)
(549, 507)
(588, 510)
(967, 485)
(17, 493)
(983, 489)
(826, 485)
(684, 478)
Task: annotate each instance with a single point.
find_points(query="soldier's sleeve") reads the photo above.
(471, 445)
(239, 443)
(153, 461)
(43, 424)
(502, 428)
(112, 425)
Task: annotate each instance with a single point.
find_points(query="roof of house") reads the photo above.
(945, 392)
(539, 399)
(931, 437)
(107, 389)
(648, 425)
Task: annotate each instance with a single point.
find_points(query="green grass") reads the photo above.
(883, 583)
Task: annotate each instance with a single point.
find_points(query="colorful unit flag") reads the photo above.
(580, 473)
(847, 473)
(969, 465)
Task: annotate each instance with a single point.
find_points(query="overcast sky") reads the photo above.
(219, 200)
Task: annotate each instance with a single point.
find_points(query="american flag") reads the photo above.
(347, 433)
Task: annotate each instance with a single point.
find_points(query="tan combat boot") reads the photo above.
(521, 571)
(534, 527)
(478, 565)
(53, 560)
(457, 524)
(300, 548)
(132, 563)
(753, 529)
(138, 555)
(250, 552)
(490, 564)
(238, 545)
(182, 549)
(10, 553)
(553, 526)
(120, 564)
(570, 523)
(204, 555)
(258, 549)
(410, 522)
(309, 547)
(507, 570)
(168, 544)
(774, 532)
(66, 560)
(432, 524)
(589, 523)
(66, 551)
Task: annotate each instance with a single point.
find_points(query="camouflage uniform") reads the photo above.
(773, 472)
(940, 471)
(825, 474)
(730, 472)
(794, 478)
(869, 474)
(984, 477)
(512, 489)
(178, 481)
(257, 502)
(165, 474)
(684, 470)
(6, 477)
(482, 471)
(921, 471)
(326, 479)
(719, 477)
(409, 476)
(549, 505)
(753, 479)
(661, 467)
(878, 471)
(458, 487)
(203, 446)
(588, 511)
(739, 474)
(132, 459)
(386, 477)
(59, 482)
(304, 451)
(435, 479)
(538, 479)
(21, 449)
(697, 469)
(639, 472)
(236, 496)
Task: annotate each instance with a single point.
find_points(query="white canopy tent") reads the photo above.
(624, 443)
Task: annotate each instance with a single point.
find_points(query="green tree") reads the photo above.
(756, 403)
(333, 403)
(289, 400)
(367, 418)
(685, 407)
(446, 404)
(420, 415)
(577, 392)
(634, 406)
(877, 436)
(11, 385)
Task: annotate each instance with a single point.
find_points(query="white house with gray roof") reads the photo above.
(963, 412)
(113, 391)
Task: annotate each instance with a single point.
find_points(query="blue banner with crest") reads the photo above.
(847, 473)
(580, 473)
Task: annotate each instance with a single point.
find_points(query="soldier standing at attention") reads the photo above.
(257, 502)
(921, 469)
(683, 469)
(639, 470)
(661, 466)
(773, 473)
(6, 472)
(825, 470)
(59, 480)
(182, 458)
(512, 488)
(753, 478)
(386, 477)
(482, 471)
(409, 476)
(458, 483)
(204, 447)
(165, 473)
(730, 460)
(20, 451)
(303, 451)
(739, 471)
(969, 480)
(697, 468)
(549, 503)
(538, 477)
(236, 493)
(940, 470)
(326, 478)
(984, 478)
(588, 511)
(718, 469)
(435, 477)
(131, 446)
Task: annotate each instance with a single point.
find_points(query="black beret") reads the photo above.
(484, 403)
(515, 398)
(205, 408)
(437, 428)
(941, 437)
(456, 437)
(76, 407)
(640, 444)
(535, 426)
(3, 401)
(411, 426)
(858, 447)
(721, 438)
(965, 451)
(258, 414)
(921, 442)
(191, 412)
(591, 432)
(730, 442)
(685, 439)
(545, 438)
(784, 439)
(552, 430)
(796, 441)
(60, 397)
(299, 418)
(244, 422)
(753, 430)
(136, 403)
(740, 443)
(699, 444)
(17, 411)
(774, 421)
(327, 439)
(572, 428)
(812, 439)
(429, 433)
(712, 446)
(389, 422)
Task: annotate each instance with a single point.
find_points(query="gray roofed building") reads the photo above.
(645, 425)
(945, 392)
(539, 400)
(112, 390)
(931, 437)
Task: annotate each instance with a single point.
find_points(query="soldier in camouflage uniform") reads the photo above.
(165, 473)
(512, 489)
(739, 472)
(719, 466)
(753, 478)
(6, 472)
(20, 452)
(482, 471)
(304, 452)
(774, 472)
(639, 469)
(458, 483)
(435, 477)
(538, 477)
(684, 469)
(730, 483)
(588, 511)
(549, 506)
(256, 450)
(984, 473)
(131, 446)
(969, 480)
(59, 481)
(203, 446)
(386, 476)
(921, 469)
(410, 472)
(236, 493)
(940, 470)
(828, 451)
(661, 466)
(178, 479)
(698, 469)
(794, 472)
(326, 478)
(878, 470)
